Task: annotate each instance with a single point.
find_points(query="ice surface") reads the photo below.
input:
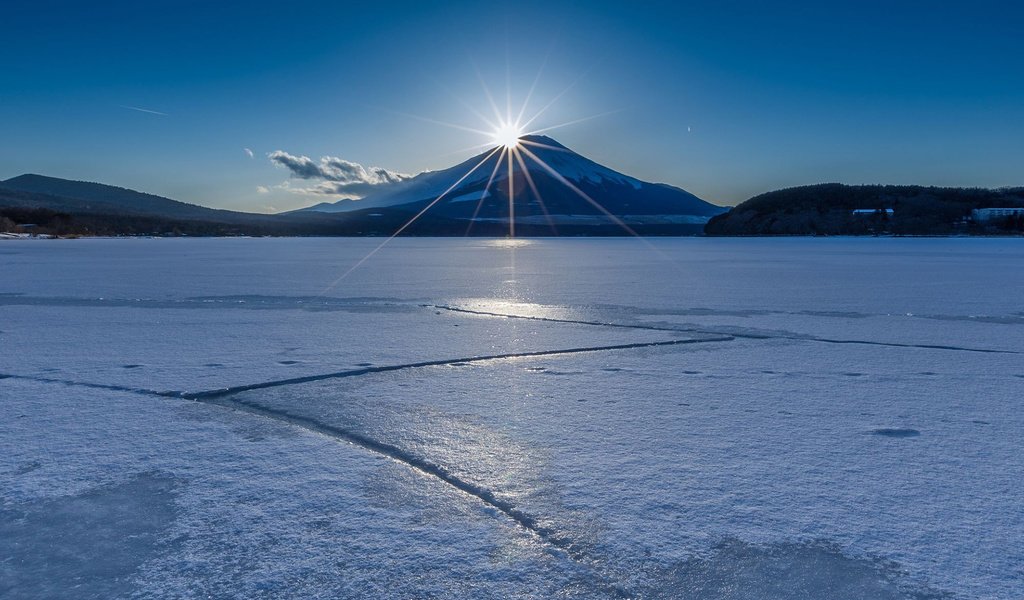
(842, 419)
(87, 545)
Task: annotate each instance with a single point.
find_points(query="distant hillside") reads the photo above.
(97, 198)
(47, 205)
(63, 207)
(828, 209)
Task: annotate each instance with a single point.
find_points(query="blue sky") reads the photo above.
(725, 99)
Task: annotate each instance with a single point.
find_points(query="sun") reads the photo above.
(507, 135)
(510, 137)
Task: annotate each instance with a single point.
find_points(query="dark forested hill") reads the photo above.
(828, 209)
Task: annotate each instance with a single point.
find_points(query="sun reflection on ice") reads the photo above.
(512, 306)
(509, 243)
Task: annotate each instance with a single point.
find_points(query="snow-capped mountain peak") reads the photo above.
(556, 181)
(569, 164)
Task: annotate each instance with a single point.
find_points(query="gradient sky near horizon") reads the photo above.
(725, 99)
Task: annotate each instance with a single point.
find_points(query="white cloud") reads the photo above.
(339, 177)
(262, 189)
(249, 152)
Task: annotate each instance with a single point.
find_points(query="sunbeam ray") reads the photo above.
(408, 223)
(598, 206)
(573, 122)
(476, 148)
(487, 92)
(558, 97)
(511, 198)
(545, 146)
(561, 179)
(483, 195)
(468, 107)
(436, 122)
(533, 187)
(508, 84)
(533, 88)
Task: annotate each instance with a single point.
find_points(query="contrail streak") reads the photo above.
(143, 110)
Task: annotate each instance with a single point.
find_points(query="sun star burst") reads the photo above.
(507, 135)
(509, 150)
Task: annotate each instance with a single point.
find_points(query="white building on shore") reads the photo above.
(985, 215)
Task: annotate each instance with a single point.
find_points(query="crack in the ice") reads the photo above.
(559, 542)
(227, 398)
(201, 395)
(547, 535)
(734, 334)
(423, 465)
(901, 345)
(245, 302)
(437, 363)
(485, 313)
(89, 384)
(388, 304)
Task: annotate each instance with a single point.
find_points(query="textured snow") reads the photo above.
(784, 418)
(573, 166)
(474, 196)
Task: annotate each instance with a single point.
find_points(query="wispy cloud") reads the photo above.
(262, 189)
(338, 177)
(143, 110)
(248, 152)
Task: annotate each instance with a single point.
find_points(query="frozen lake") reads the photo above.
(466, 418)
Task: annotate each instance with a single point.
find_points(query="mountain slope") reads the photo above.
(87, 197)
(64, 207)
(553, 192)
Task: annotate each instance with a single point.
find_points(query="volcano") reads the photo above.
(545, 189)
(558, 188)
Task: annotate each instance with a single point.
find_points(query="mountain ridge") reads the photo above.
(554, 191)
(103, 194)
(616, 192)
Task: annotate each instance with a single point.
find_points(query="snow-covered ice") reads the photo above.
(681, 418)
